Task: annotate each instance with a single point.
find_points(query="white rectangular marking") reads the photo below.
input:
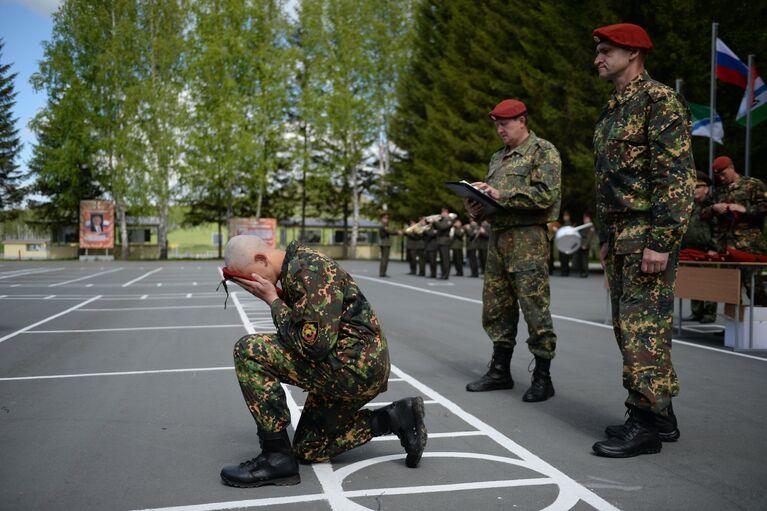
(132, 329)
(84, 278)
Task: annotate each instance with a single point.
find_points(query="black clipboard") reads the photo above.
(464, 189)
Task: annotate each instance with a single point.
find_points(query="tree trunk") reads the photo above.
(121, 215)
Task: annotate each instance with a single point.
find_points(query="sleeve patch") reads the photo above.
(309, 332)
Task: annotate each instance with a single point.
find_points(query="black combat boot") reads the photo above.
(275, 465)
(668, 431)
(541, 388)
(404, 418)
(498, 376)
(641, 437)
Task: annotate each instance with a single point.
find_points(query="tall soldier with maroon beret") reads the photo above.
(644, 178)
(525, 177)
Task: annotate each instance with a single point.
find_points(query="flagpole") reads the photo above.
(749, 103)
(712, 100)
(679, 85)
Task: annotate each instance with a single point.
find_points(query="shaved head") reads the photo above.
(240, 251)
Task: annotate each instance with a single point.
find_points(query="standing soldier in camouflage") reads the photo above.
(525, 177)
(740, 204)
(699, 236)
(329, 343)
(384, 243)
(457, 236)
(644, 179)
(472, 244)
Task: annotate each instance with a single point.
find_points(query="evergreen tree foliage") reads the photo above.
(11, 193)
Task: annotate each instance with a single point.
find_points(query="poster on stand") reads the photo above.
(264, 228)
(97, 221)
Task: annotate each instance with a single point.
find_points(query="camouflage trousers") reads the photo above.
(333, 420)
(511, 285)
(642, 314)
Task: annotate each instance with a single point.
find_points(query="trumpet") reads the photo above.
(435, 218)
(418, 228)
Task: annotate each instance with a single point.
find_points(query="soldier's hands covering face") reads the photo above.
(259, 287)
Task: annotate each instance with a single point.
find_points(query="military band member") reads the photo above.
(525, 177)
(457, 236)
(442, 227)
(483, 241)
(472, 244)
(412, 237)
(644, 179)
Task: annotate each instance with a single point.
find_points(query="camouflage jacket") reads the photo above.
(699, 233)
(529, 179)
(644, 167)
(323, 315)
(742, 231)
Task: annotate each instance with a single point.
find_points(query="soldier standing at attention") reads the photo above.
(411, 243)
(457, 235)
(525, 177)
(384, 243)
(443, 226)
(644, 179)
(430, 248)
(328, 342)
(472, 237)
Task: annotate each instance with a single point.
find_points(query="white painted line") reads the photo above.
(120, 373)
(141, 277)
(143, 297)
(84, 278)
(88, 285)
(49, 297)
(3, 296)
(159, 284)
(563, 318)
(15, 285)
(25, 272)
(380, 404)
(194, 283)
(49, 318)
(167, 307)
(133, 329)
(189, 295)
(454, 434)
(242, 504)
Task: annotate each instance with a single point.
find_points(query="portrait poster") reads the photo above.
(97, 220)
(264, 228)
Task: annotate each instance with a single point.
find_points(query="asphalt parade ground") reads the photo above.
(117, 392)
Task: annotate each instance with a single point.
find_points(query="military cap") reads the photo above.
(722, 163)
(623, 34)
(507, 109)
(702, 179)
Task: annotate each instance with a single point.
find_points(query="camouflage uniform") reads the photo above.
(329, 343)
(528, 178)
(645, 178)
(742, 231)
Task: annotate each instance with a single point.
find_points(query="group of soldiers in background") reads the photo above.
(589, 249)
(439, 240)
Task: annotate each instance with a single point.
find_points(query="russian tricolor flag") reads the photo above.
(729, 68)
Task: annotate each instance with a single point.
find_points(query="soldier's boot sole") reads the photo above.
(486, 384)
(278, 481)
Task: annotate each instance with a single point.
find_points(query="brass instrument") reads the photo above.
(435, 218)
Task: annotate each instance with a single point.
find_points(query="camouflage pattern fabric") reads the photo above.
(699, 233)
(528, 178)
(329, 343)
(744, 230)
(512, 283)
(645, 178)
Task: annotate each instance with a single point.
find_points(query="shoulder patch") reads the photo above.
(309, 332)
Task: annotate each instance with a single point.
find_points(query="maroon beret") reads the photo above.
(507, 109)
(623, 34)
(722, 163)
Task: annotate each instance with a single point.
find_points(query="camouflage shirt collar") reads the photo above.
(632, 88)
(523, 148)
(290, 254)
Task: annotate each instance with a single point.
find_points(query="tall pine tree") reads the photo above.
(11, 192)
